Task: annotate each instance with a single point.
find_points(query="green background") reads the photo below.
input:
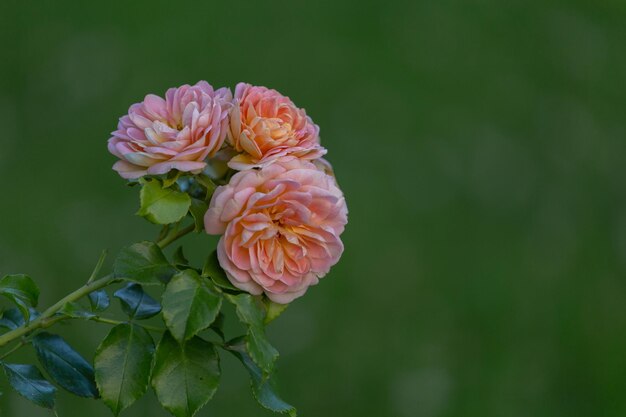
(480, 146)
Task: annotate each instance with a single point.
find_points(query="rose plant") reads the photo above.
(246, 167)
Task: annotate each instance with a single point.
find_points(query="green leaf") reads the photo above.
(99, 300)
(13, 318)
(186, 376)
(66, 367)
(143, 262)
(75, 310)
(136, 303)
(21, 290)
(162, 205)
(30, 384)
(179, 257)
(261, 351)
(262, 387)
(213, 270)
(198, 209)
(273, 310)
(122, 364)
(190, 304)
(251, 311)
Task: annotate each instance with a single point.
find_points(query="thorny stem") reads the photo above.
(43, 320)
(54, 320)
(46, 318)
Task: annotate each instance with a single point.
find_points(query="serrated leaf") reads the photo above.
(251, 311)
(99, 300)
(198, 210)
(262, 386)
(122, 363)
(13, 318)
(261, 351)
(21, 290)
(185, 376)
(214, 271)
(162, 205)
(30, 384)
(190, 304)
(136, 303)
(143, 262)
(64, 365)
(75, 310)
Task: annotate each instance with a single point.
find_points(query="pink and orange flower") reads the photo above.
(178, 132)
(281, 216)
(266, 126)
(281, 228)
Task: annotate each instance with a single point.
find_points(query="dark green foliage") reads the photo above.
(29, 383)
(190, 304)
(136, 303)
(122, 364)
(99, 300)
(144, 263)
(214, 271)
(251, 311)
(22, 290)
(75, 310)
(184, 369)
(262, 386)
(185, 376)
(64, 365)
(13, 318)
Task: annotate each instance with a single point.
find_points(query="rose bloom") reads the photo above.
(178, 132)
(265, 126)
(280, 226)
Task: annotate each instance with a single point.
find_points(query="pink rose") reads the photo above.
(179, 132)
(280, 226)
(266, 126)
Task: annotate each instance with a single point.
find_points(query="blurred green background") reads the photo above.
(480, 145)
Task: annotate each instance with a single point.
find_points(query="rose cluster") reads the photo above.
(280, 216)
